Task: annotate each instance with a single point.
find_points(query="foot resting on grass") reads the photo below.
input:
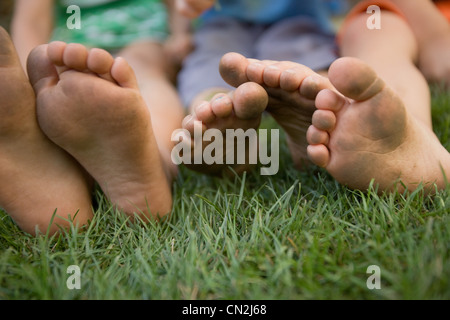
(364, 132)
(89, 104)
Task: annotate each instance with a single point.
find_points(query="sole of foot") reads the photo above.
(363, 133)
(89, 104)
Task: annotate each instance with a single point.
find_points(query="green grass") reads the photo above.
(291, 236)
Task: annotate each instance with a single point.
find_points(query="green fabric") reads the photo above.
(112, 24)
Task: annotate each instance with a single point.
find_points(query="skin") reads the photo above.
(112, 126)
(373, 123)
(32, 166)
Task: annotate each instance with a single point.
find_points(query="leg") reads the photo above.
(151, 69)
(373, 128)
(199, 79)
(210, 99)
(396, 54)
(38, 178)
(89, 104)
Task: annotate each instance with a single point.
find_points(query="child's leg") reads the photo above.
(392, 52)
(428, 21)
(152, 72)
(90, 105)
(209, 98)
(199, 79)
(37, 177)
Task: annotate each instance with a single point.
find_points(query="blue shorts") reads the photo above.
(298, 39)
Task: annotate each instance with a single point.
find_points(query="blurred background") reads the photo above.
(6, 7)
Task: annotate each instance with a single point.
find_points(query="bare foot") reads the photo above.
(37, 177)
(292, 90)
(89, 104)
(367, 134)
(239, 109)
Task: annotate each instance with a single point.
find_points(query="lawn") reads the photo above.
(290, 236)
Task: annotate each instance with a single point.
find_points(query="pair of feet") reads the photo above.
(350, 123)
(77, 120)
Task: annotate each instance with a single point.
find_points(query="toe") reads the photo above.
(250, 101)
(123, 74)
(313, 84)
(319, 155)
(260, 71)
(292, 78)
(274, 71)
(272, 76)
(315, 136)
(221, 105)
(75, 56)
(55, 52)
(191, 123)
(324, 120)
(255, 72)
(204, 113)
(100, 62)
(354, 79)
(330, 100)
(233, 68)
(41, 69)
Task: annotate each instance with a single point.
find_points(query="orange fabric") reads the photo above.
(444, 7)
(362, 8)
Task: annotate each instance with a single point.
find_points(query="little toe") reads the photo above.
(204, 112)
(191, 123)
(41, 70)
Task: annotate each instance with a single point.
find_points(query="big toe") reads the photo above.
(40, 68)
(233, 69)
(355, 79)
(250, 100)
